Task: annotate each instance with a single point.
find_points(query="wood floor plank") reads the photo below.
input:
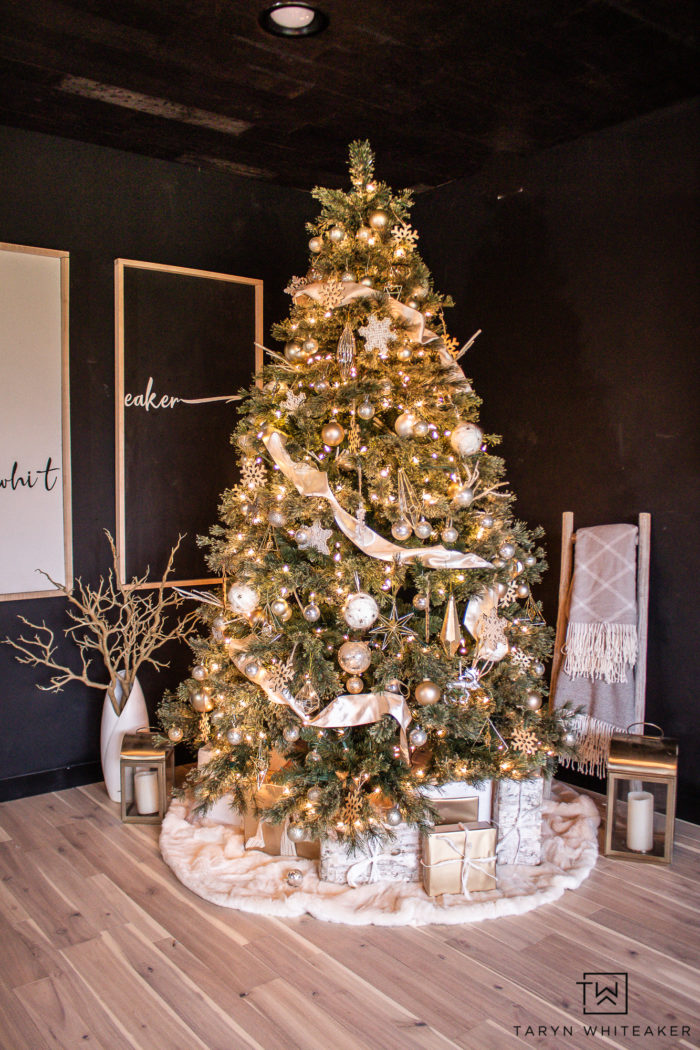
(68, 1016)
(26, 955)
(301, 1018)
(17, 1029)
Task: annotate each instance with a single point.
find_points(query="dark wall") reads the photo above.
(580, 266)
(100, 204)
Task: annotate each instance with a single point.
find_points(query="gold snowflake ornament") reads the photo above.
(525, 741)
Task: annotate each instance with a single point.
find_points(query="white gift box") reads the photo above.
(223, 810)
(397, 860)
(517, 814)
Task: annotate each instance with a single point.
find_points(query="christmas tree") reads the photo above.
(376, 630)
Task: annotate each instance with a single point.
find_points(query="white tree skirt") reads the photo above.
(210, 860)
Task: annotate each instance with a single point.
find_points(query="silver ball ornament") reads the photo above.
(347, 277)
(310, 345)
(313, 794)
(202, 701)
(487, 521)
(313, 757)
(533, 701)
(336, 234)
(427, 693)
(360, 611)
(332, 434)
(312, 613)
(295, 877)
(393, 686)
(366, 410)
(234, 736)
(569, 738)
(199, 672)
(530, 560)
(302, 537)
(354, 684)
(316, 244)
(507, 550)
(217, 717)
(175, 734)
(291, 734)
(294, 353)
(449, 534)
(421, 429)
(538, 668)
(363, 234)
(367, 281)
(466, 439)
(404, 353)
(295, 832)
(401, 529)
(420, 602)
(218, 623)
(321, 386)
(404, 424)
(418, 736)
(464, 497)
(423, 529)
(523, 590)
(379, 219)
(354, 657)
(279, 607)
(251, 668)
(393, 817)
(276, 518)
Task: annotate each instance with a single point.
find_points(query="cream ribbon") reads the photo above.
(374, 855)
(477, 863)
(314, 483)
(345, 711)
(479, 607)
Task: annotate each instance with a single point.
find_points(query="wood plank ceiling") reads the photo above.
(442, 88)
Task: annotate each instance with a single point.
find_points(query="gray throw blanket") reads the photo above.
(601, 640)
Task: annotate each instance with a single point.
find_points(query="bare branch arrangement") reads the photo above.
(114, 621)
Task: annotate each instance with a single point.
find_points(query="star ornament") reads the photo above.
(317, 539)
(377, 333)
(392, 629)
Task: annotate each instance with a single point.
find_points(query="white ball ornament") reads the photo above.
(312, 612)
(234, 736)
(427, 693)
(366, 410)
(336, 234)
(291, 734)
(360, 611)
(393, 817)
(466, 439)
(533, 701)
(276, 518)
(354, 657)
(449, 534)
(421, 429)
(401, 529)
(418, 736)
(242, 599)
(175, 734)
(316, 244)
(423, 529)
(404, 424)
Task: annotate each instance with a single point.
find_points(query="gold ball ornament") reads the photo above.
(347, 277)
(336, 234)
(404, 353)
(363, 234)
(354, 684)
(404, 424)
(366, 410)
(367, 281)
(294, 353)
(421, 429)
(464, 497)
(533, 701)
(423, 529)
(332, 434)
(420, 602)
(316, 244)
(175, 734)
(427, 693)
(401, 529)
(202, 701)
(354, 657)
(379, 219)
(279, 607)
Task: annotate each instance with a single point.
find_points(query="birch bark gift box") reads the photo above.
(517, 814)
(223, 811)
(397, 859)
(274, 839)
(459, 858)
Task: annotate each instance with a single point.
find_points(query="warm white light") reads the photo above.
(292, 17)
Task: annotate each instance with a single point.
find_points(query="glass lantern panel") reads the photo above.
(639, 816)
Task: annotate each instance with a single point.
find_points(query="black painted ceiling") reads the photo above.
(442, 88)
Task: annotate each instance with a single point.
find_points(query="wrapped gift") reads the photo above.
(259, 833)
(517, 814)
(224, 810)
(459, 858)
(396, 860)
(459, 802)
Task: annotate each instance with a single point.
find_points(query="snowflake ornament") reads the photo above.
(331, 294)
(404, 236)
(377, 334)
(280, 675)
(317, 538)
(252, 474)
(509, 595)
(450, 344)
(296, 285)
(490, 631)
(520, 658)
(293, 401)
(525, 741)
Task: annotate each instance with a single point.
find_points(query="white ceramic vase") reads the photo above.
(134, 715)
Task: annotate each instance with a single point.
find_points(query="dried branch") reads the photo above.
(113, 620)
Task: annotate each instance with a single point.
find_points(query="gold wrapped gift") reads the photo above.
(456, 810)
(459, 858)
(271, 838)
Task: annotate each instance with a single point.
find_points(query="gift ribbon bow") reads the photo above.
(374, 855)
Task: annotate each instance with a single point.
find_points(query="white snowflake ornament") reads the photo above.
(293, 401)
(331, 294)
(525, 741)
(404, 236)
(252, 473)
(314, 537)
(377, 334)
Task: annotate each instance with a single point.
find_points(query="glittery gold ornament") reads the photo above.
(450, 634)
(332, 434)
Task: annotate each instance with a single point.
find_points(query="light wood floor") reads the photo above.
(101, 947)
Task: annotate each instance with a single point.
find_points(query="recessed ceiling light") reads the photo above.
(293, 19)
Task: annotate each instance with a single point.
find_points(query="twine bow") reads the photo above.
(374, 855)
(480, 864)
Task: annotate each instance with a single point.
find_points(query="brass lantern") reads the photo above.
(642, 776)
(147, 767)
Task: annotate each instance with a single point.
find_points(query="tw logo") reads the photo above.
(604, 993)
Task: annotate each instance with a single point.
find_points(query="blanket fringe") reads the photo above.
(600, 650)
(592, 745)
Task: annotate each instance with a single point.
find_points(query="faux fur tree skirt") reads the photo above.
(209, 859)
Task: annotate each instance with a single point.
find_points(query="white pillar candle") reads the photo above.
(640, 821)
(146, 791)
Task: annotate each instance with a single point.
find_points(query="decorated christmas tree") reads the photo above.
(376, 630)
